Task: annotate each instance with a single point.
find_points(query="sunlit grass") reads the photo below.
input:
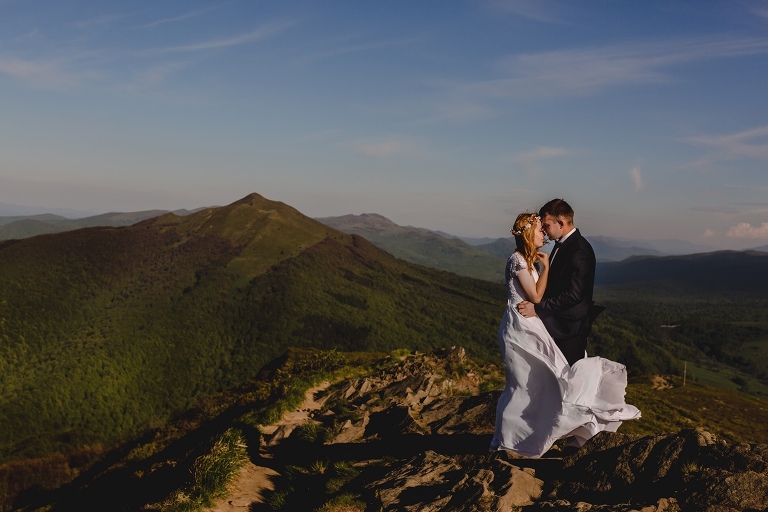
(211, 473)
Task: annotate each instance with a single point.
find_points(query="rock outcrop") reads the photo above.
(691, 466)
(417, 433)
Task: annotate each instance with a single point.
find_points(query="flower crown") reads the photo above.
(530, 222)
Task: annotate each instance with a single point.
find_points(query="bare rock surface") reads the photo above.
(415, 435)
(434, 482)
(692, 466)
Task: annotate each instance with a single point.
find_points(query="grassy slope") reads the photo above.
(721, 335)
(423, 247)
(104, 331)
(735, 416)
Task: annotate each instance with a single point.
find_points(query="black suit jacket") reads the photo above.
(565, 307)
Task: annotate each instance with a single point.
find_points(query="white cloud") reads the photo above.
(746, 144)
(265, 31)
(590, 70)
(761, 12)
(746, 230)
(636, 175)
(99, 22)
(155, 75)
(545, 11)
(530, 159)
(175, 19)
(710, 233)
(32, 35)
(44, 74)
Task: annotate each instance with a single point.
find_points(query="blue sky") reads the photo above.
(649, 117)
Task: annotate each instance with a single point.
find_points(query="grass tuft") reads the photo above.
(211, 474)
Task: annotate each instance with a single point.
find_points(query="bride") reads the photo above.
(545, 398)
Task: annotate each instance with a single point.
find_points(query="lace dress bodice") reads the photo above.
(515, 264)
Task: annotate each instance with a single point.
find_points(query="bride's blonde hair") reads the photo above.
(524, 230)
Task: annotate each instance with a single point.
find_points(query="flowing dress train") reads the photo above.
(545, 398)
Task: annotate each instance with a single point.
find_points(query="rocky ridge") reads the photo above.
(414, 437)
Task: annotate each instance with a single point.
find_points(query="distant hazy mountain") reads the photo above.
(484, 258)
(721, 272)
(609, 248)
(762, 248)
(18, 210)
(470, 240)
(502, 247)
(47, 218)
(422, 246)
(614, 249)
(669, 247)
(24, 226)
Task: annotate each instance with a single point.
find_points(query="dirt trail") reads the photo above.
(253, 481)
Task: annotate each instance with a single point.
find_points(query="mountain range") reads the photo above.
(113, 334)
(16, 227)
(423, 246)
(484, 258)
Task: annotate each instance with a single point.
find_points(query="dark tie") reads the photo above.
(554, 251)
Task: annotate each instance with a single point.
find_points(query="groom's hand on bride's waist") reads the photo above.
(526, 309)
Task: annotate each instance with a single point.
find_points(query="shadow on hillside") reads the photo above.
(114, 484)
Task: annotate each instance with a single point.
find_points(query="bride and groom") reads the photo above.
(552, 389)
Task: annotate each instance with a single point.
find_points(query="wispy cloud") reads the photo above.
(636, 175)
(752, 144)
(761, 11)
(51, 74)
(530, 159)
(741, 210)
(719, 210)
(747, 230)
(156, 74)
(73, 69)
(382, 149)
(32, 35)
(585, 71)
(545, 11)
(99, 22)
(265, 31)
(345, 49)
(175, 19)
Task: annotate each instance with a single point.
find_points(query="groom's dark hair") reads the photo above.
(557, 208)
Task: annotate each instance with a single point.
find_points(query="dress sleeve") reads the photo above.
(517, 263)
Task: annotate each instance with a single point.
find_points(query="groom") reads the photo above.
(567, 308)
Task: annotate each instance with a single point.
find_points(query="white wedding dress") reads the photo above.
(545, 399)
